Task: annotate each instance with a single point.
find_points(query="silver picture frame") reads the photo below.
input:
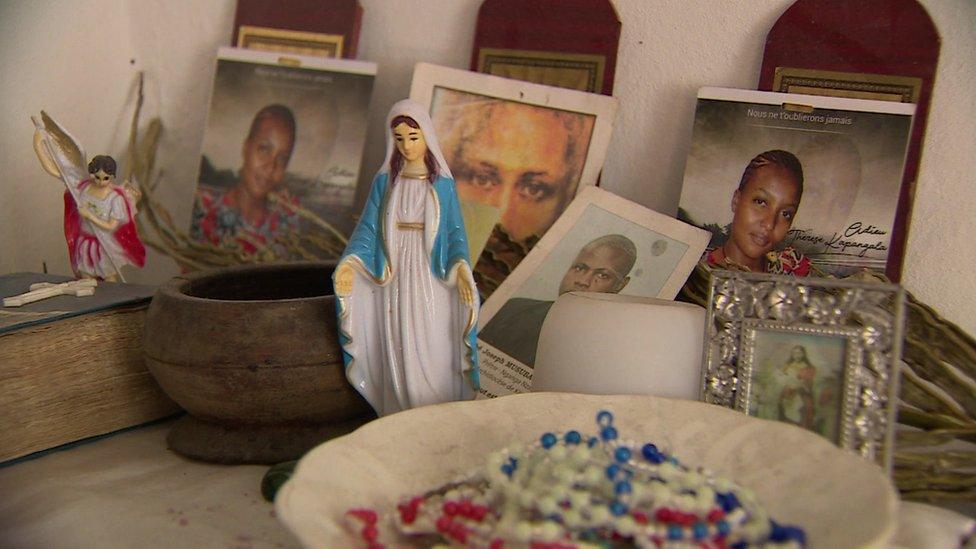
(820, 353)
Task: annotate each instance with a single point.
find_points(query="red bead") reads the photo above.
(664, 515)
(376, 545)
(366, 515)
(444, 524)
(497, 543)
(478, 512)
(451, 508)
(639, 517)
(369, 533)
(459, 532)
(408, 513)
(465, 508)
(715, 515)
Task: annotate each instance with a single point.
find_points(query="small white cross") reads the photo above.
(44, 290)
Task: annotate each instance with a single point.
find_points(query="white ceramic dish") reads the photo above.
(840, 499)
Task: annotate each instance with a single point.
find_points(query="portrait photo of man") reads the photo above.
(522, 161)
(602, 265)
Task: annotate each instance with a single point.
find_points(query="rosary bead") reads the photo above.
(558, 453)
(618, 508)
(599, 514)
(557, 492)
(651, 454)
(548, 440)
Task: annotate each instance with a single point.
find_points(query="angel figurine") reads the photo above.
(99, 215)
(406, 299)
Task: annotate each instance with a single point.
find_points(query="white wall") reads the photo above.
(77, 60)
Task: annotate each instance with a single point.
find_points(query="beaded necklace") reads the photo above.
(568, 490)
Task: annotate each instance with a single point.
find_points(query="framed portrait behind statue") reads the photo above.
(281, 155)
(520, 152)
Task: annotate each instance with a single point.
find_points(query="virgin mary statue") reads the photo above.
(406, 300)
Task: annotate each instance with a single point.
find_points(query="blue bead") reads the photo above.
(548, 440)
(618, 508)
(573, 437)
(612, 471)
(592, 442)
(608, 433)
(604, 418)
(675, 532)
(507, 469)
(700, 530)
(723, 527)
(781, 533)
(728, 501)
(649, 450)
(650, 453)
(622, 487)
(739, 545)
(622, 454)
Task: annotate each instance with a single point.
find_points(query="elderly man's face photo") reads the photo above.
(523, 160)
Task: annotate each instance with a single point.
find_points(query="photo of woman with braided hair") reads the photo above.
(763, 208)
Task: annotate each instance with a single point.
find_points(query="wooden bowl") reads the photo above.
(252, 354)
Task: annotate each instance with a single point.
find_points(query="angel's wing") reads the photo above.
(59, 151)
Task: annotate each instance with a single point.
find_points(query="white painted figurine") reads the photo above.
(99, 216)
(406, 299)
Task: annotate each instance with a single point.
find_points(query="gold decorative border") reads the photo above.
(520, 64)
(289, 41)
(879, 87)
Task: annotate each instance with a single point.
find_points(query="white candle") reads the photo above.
(617, 344)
